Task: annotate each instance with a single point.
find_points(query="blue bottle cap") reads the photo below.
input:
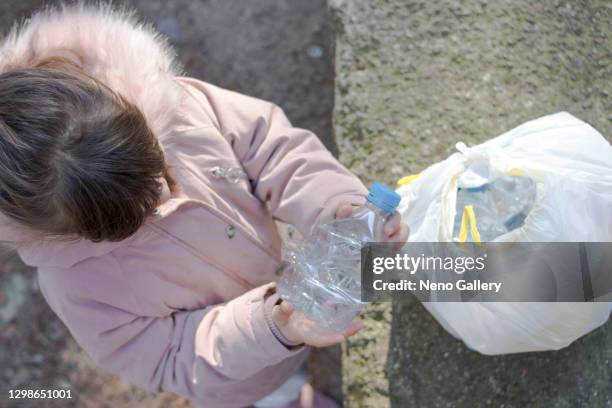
(383, 197)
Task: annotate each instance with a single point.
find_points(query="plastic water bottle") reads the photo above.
(322, 276)
(500, 206)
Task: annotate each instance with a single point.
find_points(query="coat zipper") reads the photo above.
(238, 225)
(162, 231)
(203, 257)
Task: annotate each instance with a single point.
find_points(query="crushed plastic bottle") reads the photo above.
(322, 277)
(500, 206)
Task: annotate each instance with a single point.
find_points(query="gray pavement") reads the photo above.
(412, 79)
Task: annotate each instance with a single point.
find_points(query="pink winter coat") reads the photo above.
(179, 306)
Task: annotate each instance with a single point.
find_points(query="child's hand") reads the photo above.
(394, 230)
(299, 329)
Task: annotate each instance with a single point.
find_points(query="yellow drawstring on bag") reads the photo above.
(469, 216)
(407, 179)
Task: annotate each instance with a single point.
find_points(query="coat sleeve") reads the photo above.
(223, 353)
(289, 168)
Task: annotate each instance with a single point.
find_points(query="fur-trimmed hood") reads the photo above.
(109, 44)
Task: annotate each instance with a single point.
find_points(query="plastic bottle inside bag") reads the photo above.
(322, 277)
(500, 206)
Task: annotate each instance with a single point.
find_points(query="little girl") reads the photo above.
(148, 203)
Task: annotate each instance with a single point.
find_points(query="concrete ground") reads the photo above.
(413, 79)
(272, 49)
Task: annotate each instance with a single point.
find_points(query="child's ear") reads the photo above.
(165, 190)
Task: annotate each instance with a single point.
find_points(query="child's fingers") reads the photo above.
(353, 328)
(282, 313)
(344, 210)
(392, 224)
(400, 237)
(286, 308)
(327, 341)
(331, 339)
(401, 234)
(318, 336)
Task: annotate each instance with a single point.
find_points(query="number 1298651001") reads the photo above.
(40, 394)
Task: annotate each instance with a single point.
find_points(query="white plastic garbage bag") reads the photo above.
(571, 164)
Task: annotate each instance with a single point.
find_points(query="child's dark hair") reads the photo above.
(76, 159)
